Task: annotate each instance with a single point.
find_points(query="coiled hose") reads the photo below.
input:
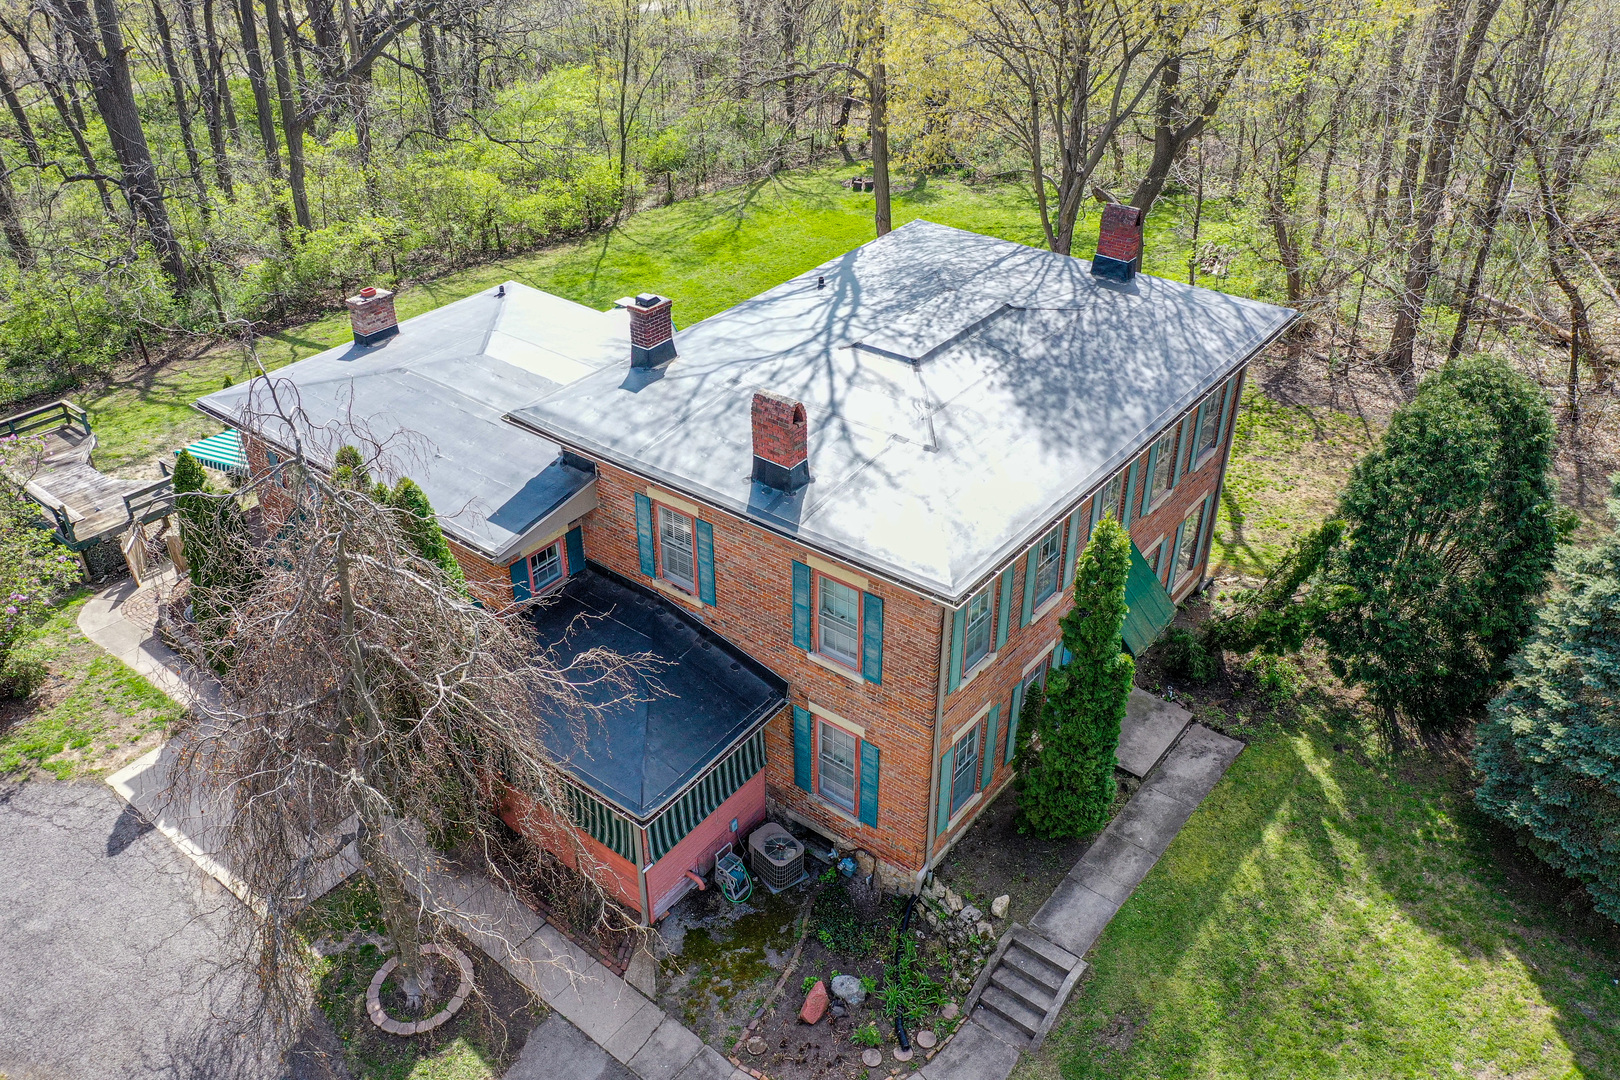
(899, 943)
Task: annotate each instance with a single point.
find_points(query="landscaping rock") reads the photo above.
(871, 1058)
(950, 1011)
(815, 1004)
(839, 1011)
(935, 890)
(849, 988)
(953, 901)
(970, 914)
(926, 1039)
(930, 918)
(999, 906)
(865, 864)
(757, 1046)
(985, 930)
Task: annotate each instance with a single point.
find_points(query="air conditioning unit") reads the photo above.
(776, 857)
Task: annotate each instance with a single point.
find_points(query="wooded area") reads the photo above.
(1422, 179)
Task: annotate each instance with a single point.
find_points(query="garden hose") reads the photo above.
(899, 943)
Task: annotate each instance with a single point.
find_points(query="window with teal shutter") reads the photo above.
(801, 606)
(1130, 495)
(869, 784)
(947, 766)
(953, 678)
(872, 638)
(1189, 430)
(991, 723)
(705, 561)
(1012, 723)
(1028, 611)
(803, 747)
(576, 550)
(1228, 407)
(519, 572)
(1072, 550)
(644, 535)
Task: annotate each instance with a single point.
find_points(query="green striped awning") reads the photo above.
(703, 797)
(602, 823)
(1150, 606)
(222, 452)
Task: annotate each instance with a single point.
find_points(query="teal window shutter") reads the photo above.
(1147, 482)
(1072, 550)
(520, 580)
(1226, 411)
(575, 543)
(1171, 557)
(1189, 435)
(1209, 527)
(1012, 722)
(1130, 495)
(946, 764)
(705, 560)
(801, 606)
(1004, 611)
(803, 747)
(644, 535)
(869, 783)
(1029, 586)
(872, 640)
(953, 678)
(992, 722)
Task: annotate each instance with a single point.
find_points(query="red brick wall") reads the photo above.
(616, 874)
(488, 582)
(754, 610)
(274, 501)
(667, 879)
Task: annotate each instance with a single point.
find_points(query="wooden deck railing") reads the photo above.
(58, 414)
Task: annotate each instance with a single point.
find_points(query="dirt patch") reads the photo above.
(995, 859)
(1119, 1034)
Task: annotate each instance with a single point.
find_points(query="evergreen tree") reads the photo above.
(422, 529)
(1549, 752)
(349, 470)
(214, 537)
(1066, 764)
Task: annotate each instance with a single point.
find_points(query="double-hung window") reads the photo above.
(965, 773)
(1164, 466)
(1108, 498)
(678, 561)
(545, 566)
(976, 636)
(1209, 431)
(1152, 556)
(839, 625)
(1191, 529)
(1048, 563)
(836, 775)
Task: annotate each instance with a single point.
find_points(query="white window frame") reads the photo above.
(1193, 536)
(1212, 421)
(988, 595)
(822, 747)
(555, 548)
(1055, 538)
(1166, 462)
(852, 661)
(1115, 484)
(972, 773)
(666, 516)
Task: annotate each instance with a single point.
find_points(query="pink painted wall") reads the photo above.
(616, 874)
(667, 878)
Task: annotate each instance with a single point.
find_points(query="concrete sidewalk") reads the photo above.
(1076, 913)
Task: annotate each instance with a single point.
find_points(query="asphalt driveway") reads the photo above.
(110, 942)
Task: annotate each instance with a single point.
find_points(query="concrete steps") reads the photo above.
(1019, 993)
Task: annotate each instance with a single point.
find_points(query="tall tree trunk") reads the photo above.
(216, 64)
(1388, 108)
(438, 109)
(1554, 188)
(358, 87)
(1448, 120)
(25, 129)
(292, 123)
(11, 222)
(882, 218)
(107, 60)
(208, 91)
(63, 111)
(182, 109)
(248, 22)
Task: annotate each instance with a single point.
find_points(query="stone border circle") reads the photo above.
(374, 1007)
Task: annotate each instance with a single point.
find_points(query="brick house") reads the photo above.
(842, 514)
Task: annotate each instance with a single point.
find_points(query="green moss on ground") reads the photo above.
(92, 715)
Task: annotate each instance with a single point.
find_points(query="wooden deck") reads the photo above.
(86, 504)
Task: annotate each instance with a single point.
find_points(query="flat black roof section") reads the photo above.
(696, 701)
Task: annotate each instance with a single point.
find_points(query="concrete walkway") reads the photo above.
(1100, 883)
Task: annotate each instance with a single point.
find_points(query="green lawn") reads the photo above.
(707, 254)
(91, 716)
(1324, 915)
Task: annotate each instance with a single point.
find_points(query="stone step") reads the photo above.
(1036, 995)
(1032, 968)
(1005, 1030)
(1061, 959)
(1013, 1010)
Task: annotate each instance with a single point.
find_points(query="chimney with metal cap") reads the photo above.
(371, 313)
(781, 443)
(652, 329)
(1119, 243)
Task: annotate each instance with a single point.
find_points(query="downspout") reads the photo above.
(641, 874)
(933, 765)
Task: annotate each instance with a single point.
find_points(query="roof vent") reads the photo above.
(781, 442)
(652, 329)
(1119, 243)
(371, 313)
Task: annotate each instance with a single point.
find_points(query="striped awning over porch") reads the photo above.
(223, 452)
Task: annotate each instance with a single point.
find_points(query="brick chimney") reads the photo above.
(371, 313)
(781, 445)
(652, 329)
(1119, 243)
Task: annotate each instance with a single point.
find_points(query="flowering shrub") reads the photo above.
(35, 570)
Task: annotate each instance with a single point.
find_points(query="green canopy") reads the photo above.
(222, 452)
(1151, 608)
